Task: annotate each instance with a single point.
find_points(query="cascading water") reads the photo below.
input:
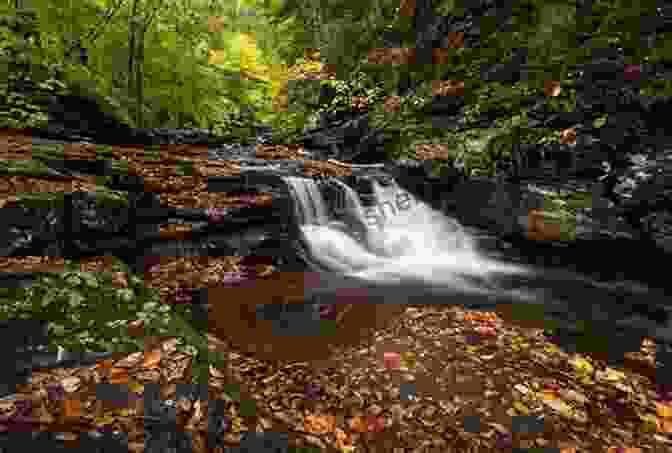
(396, 239)
(388, 247)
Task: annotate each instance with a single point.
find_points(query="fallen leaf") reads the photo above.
(568, 136)
(649, 423)
(559, 406)
(664, 409)
(344, 441)
(72, 408)
(408, 360)
(582, 365)
(103, 420)
(70, 383)
(610, 375)
(392, 360)
(152, 359)
(520, 407)
(368, 423)
(522, 389)
(486, 331)
(118, 376)
(319, 424)
(552, 88)
(573, 396)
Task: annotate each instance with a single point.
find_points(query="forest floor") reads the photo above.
(431, 379)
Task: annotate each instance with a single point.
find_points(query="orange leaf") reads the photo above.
(665, 426)
(540, 230)
(357, 424)
(344, 441)
(152, 359)
(550, 395)
(440, 55)
(319, 424)
(447, 87)
(455, 39)
(367, 424)
(72, 408)
(552, 88)
(69, 436)
(407, 8)
(118, 376)
(105, 364)
(392, 104)
(664, 409)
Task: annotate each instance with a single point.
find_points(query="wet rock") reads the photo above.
(22, 343)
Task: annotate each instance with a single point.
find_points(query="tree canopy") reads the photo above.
(202, 60)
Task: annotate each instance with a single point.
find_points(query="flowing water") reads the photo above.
(394, 237)
(382, 245)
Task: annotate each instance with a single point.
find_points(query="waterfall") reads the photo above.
(309, 204)
(398, 237)
(398, 250)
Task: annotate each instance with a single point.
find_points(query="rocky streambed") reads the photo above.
(226, 208)
(217, 236)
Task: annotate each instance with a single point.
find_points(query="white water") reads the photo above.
(417, 244)
(416, 255)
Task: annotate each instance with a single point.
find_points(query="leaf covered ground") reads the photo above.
(431, 379)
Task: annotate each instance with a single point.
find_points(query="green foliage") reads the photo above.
(87, 312)
(17, 30)
(547, 29)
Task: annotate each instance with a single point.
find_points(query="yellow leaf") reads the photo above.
(649, 423)
(664, 409)
(559, 406)
(551, 348)
(586, 380)
(582, 365)
(236, 424)
(408, 359)
(216, 56)
(104, 420)
(549, 395)
(610, 375)
(520, 407)
(136, 387)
